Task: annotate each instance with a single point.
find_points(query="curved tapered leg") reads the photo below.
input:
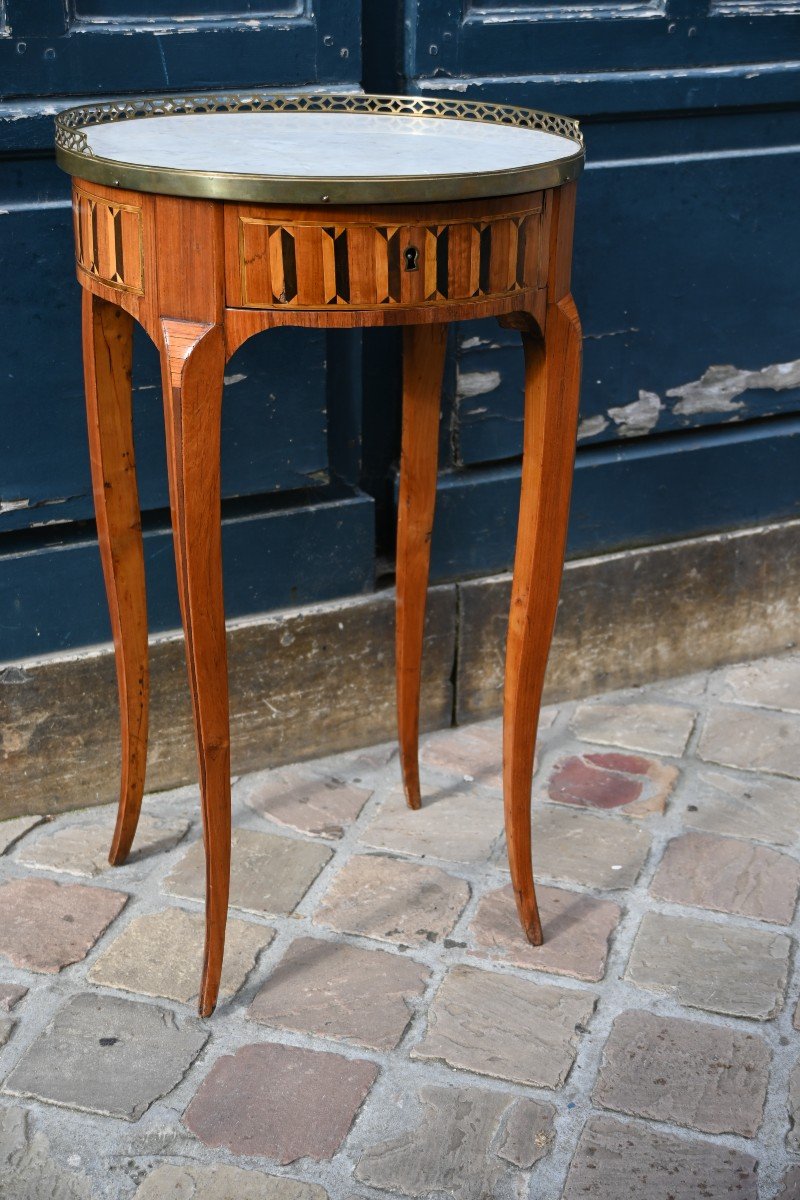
(423, 364)
(193, 359)
(107, 342)
(552, 379)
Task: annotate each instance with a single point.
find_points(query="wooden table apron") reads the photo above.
(202, 276)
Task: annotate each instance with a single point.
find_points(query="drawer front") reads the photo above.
(374, 262)
(109, 243)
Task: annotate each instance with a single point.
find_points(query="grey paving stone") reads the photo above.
(161, 954)
(793, 1138)
(105, 1055)
(616, 1161)
(722, 968)
(576, 846)
(45, 926)
(762, 810)
(11, 831)
(457, 825)
(11, 994)
(506, 1027)
(82, 849)
(269, 874)
(28, 1171)
(221, 1182)
(577, 929)
(6, 1025)
(301, 798)
(752, 740)
(684, 1072)
(339, 991)
(238, 1105)
(728, 875)
(637, 725)
(472, 752)
(463, 1145)
(771, 683)
(392, 900)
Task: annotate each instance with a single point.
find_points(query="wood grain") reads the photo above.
(107, 349)
(193, 361)
(423, 366)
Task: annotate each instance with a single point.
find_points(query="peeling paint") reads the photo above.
(475, 343)
(475, 383)
(591, 426)
(639, 417)
(597, 337)
(233, 378)
(7, 506)
(716, 390)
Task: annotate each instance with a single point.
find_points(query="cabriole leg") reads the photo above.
(423, 364)
(193, 360)
(107, 349)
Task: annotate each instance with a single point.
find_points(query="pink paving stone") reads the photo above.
(303, 799)
(577, 929)
(638, 786)
(280, 1102)
(46, 926)
(729, 876)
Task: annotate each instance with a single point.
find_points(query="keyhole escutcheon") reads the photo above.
(411, 256)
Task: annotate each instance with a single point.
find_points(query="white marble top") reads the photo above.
(324, 145)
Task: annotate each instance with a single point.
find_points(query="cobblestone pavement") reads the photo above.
(384, 1027)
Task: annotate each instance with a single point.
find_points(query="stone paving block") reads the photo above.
(269, 874)
(790, 1185)
(45, 926)
(280, 1102)
(633, 785)
(28, 1171)
(730, 876)
(11, 831)
(459, 825)
(636, 725)
(220, 1182)
(616, 1161)
(161, 954)
(105, 1055)
(771, 683)
(761, 810)
(472, 752)
(462, 1145)
(83, 849)
(752, 739)
(339, 991)
(392, 900)
(684, 1072)
(721, 968)
(11, 994)
(793, 1137)
(577, 847)
(301, 798)
(577, 930)
(510, 1028)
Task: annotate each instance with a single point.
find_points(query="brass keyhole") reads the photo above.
(411, 255)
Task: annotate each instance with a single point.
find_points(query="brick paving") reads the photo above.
(384, 1029)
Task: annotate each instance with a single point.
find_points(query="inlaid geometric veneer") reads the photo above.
(108, 241)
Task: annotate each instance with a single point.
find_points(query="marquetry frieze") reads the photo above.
(109, 241)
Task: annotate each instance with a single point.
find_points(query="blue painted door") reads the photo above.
(687, 259)
(297, 526)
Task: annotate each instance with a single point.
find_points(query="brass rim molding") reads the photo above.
(74, 155)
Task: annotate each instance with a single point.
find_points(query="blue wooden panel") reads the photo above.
(51, 588)
(57, 49)
(640, 493)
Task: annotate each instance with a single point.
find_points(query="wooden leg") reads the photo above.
(423, 364)
(107, 341)
(193, 361)
(552, 379)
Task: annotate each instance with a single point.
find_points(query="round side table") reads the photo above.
(210, 218)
